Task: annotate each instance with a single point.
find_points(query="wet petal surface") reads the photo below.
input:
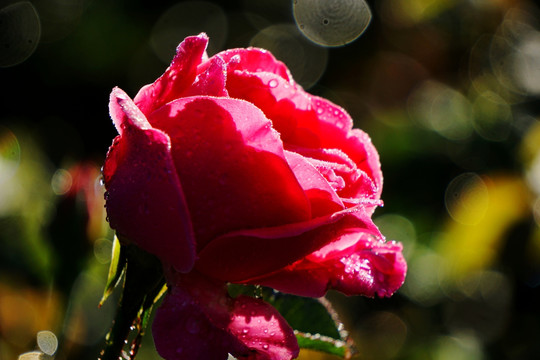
(144, 198)
(231, 165)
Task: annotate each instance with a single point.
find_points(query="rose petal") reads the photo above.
(177, 78)
(280, 101)
(254, 60)
(231, 166)
(242, 255)
(354, 142)
(183, 329)
(198, 320)
(310, 122)
(259, 326)
(352, 184)
(211, 81)
(144, 198)
(323, 198)
(366, 267)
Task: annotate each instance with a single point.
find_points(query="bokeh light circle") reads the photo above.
(32, 355)
(493, 117)
(467, 198)
(305, 60)
(399, 228)
(20, 31)
(186, 19)
(440, 108)
(332, 23)
(61, 182)
(47, 342)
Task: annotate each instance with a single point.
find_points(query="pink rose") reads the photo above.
(229, 172)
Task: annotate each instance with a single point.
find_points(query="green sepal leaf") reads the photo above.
(116, 269)
(324, 344)
(236, 290)
(307, 315)
(315, 323)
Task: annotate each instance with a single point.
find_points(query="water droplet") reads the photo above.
(265, 346)
(245, 331)
(273, 83)
(266, 331)
(320, 111)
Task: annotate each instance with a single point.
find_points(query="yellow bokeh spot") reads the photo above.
(468, 247)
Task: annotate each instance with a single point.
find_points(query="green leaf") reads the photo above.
(314, 321)
(307, 315)
(324, 344)
(236, 290)
(116, 269)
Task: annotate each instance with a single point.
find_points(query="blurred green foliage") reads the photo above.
(448, 90)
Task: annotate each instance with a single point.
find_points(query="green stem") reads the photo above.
(143, 281)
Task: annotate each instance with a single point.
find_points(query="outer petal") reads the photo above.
(198, 320)
(355, 265)
(144, 197)
(231, 165)
(177, 78)
(260, 327)
(184, 328)
(243, 255)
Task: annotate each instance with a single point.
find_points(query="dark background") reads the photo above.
(448, 91)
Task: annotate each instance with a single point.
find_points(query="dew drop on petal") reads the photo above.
(273, 83)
